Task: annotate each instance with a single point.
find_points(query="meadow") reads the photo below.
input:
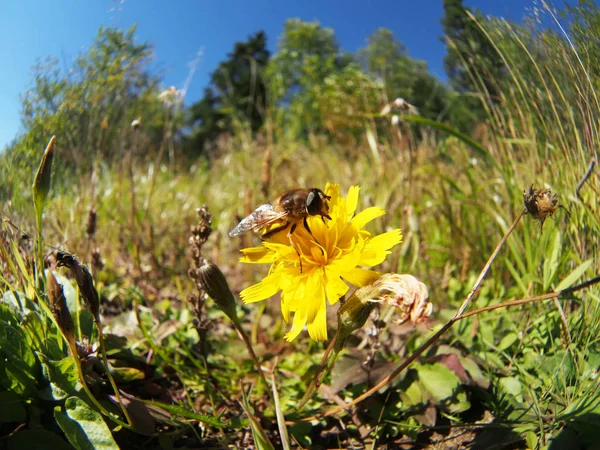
(143, 340)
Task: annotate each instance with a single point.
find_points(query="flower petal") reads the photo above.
(334, 287)
(360, 277)
(365, 216)
(376, 248)
(258, 255)
(268, 287)
(297, 326)
(317, 329)
(314, 298)
(352, 201)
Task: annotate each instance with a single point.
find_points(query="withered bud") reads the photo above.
(215, 285)
(90, 227)
(540, 203)
(60, 311)
(84, 280)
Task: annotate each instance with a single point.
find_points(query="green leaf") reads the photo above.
(20, 365)
(12, 409)
(551, 263)
(183, 412)
(507, 341)
(479, 149)
(414, 396)
(512, 386)
(84, 427)
(127, 374)
(531, 439)
(475, 372)
(36, 440)
(62, 375)
(261, 439)
(574, 276)
(438, 380)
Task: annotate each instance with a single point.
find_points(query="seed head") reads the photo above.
(540, 203)
(90, 227)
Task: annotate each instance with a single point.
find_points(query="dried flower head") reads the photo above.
(399, 105)
(136, 123)
(170, 96)
(84, 280)
(405, 293)
(540, 203)
(60, 311)
(200, 232)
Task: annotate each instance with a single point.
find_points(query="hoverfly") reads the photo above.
(288, 209)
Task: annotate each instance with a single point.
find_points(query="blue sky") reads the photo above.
(32, 29)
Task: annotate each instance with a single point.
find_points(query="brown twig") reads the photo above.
(485, 269)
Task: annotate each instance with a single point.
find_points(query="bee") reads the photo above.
(287, 210)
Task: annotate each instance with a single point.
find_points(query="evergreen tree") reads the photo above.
(237, 92)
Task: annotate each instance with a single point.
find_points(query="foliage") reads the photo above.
(89, 106)
(237, 94)
(307, 55)
(387, 60)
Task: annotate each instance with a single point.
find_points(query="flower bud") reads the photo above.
(60, 311)
(215, 284)
(41, 183)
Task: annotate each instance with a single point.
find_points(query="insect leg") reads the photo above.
(310, 232)
(293, 245)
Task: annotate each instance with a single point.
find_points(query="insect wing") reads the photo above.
(262, 216)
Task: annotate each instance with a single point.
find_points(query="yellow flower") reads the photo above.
(333, 256)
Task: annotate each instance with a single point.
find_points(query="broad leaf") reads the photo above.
(84, 426)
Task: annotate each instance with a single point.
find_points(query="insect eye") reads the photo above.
(313, 202)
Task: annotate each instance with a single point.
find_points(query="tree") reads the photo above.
(237, 93)
(469, 52)
(89, 107)
(387, 60)
(307, 54)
